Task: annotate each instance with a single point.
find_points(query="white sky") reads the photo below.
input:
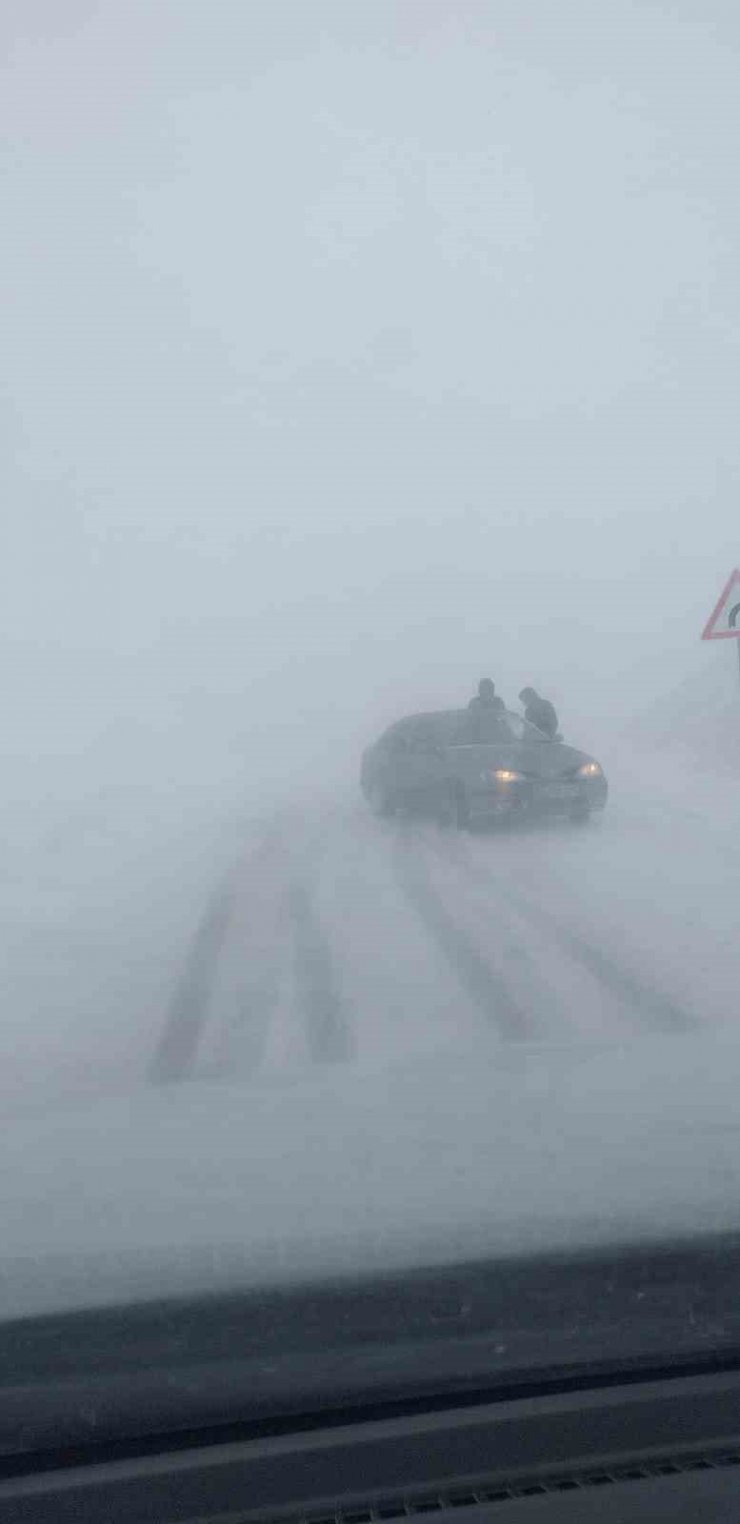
(353, 350)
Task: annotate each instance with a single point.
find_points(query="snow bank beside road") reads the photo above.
(697, 724)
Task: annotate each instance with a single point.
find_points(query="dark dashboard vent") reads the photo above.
(410, 1505)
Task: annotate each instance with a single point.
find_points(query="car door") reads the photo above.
(420, 766)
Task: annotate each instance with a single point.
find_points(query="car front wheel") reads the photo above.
(381, 802)
(454, 809)
(462, 810)
(580, 814)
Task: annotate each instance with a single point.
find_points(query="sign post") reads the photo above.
(724, 621)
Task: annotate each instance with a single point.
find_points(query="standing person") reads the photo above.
(485, 712)
(539, 712)
(487, 699)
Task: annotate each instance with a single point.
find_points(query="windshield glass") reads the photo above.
(371, 376)
(519, 730)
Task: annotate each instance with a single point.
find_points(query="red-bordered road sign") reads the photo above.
(724, 623)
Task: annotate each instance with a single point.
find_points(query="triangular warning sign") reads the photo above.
(724, 623)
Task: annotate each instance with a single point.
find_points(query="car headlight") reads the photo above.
(503, 775)
(589, 770)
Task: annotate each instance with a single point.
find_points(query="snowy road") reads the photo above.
(343, 940)
(443, 1042)
(156, 937)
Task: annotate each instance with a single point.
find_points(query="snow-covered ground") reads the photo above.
(100, 894)
(221, 1004)
(363, 942)
(346, 940)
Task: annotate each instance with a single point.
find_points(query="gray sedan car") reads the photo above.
(461, 767)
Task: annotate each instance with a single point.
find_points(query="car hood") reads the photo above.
(207, 1187)
(540, 760)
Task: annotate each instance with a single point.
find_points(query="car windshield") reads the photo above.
(520, 730)
(487, 726)
(369, 806)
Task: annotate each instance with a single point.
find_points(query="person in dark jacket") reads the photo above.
(539, 712)
(484, 716)
(487, 699)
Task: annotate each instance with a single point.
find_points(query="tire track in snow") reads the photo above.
(176, 1051)
(190, 1008)
(239, 1037)
(480, 980)
(326, 1012)
(630, 989)
(251, 1008)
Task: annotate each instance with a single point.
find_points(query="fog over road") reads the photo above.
(344, 940)
(150, 939)
(382, 348)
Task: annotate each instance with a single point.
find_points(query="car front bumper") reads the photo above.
(546, 796)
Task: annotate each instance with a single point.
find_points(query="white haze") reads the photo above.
(353, 351)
